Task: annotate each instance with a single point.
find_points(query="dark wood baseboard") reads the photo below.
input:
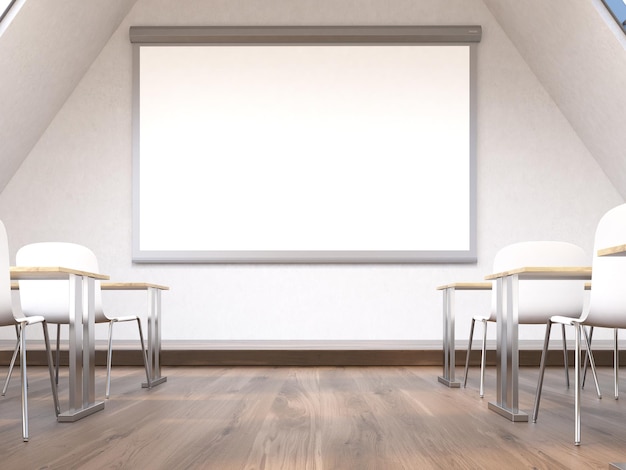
(313, 357)
(281, 357)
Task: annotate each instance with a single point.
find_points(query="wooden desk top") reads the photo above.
(582, 273)
(116, 286)
(49, 272)
(619, 250)
(131, 286)
(467, 286)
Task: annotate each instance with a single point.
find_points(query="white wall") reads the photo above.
(578, 53)
(536, 180)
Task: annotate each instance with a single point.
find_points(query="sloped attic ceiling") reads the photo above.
(579, 56)
(44, 53)
(576, 56)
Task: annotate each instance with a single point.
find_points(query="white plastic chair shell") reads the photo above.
(538, 300)
(7, 318)
(607, 301)
(50, 300)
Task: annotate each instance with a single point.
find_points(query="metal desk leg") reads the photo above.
(448, 378)
(154, 337)
(507, 370)
(82, 350)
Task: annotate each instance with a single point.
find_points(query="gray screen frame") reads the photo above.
(330, 35)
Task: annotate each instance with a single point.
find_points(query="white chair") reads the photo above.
(7, 318)
(50, 300)
(538, 300)
(607, 301)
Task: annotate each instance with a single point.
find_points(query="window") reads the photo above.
(618, 10)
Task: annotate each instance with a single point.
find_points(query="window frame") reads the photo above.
(617, 8)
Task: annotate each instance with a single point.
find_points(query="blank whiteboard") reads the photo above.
(304, 152)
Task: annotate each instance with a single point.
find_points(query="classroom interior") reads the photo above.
(311, 365)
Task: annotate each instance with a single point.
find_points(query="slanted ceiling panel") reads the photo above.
(573, 49)
(44, 53)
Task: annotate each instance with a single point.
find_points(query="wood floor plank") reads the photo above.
(289, 436)
(312, 418)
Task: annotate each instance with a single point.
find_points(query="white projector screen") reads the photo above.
(304, 152)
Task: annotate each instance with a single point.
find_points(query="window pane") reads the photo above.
(618, 10)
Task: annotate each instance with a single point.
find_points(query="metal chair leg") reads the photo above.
(24, 380)
(144, 354)
(616, 364)
(542, 368)
(584, 379)
(12, 364)
(577, 327)
(53, 385)
(483, 360)
(109, 354)
(565, 359)
(469, 350)
(58, 353)
(592, 362)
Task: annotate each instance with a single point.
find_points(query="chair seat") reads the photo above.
(481, 318)
(564, 320)
(31, 320)
(123, 318)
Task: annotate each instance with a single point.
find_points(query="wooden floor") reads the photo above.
(311, 418)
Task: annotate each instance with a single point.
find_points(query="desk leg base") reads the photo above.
(154, 382)
(519, 417)
(72, 416)
(448, 382)
(617, 466)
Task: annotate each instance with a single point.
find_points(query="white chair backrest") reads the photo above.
(539, 299)
(607, 302)
(50, 299)
(6, 306)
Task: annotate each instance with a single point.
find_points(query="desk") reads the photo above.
(154, 324)
(82, 325)
(619, 250)
(448, 327)
(507, 369)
